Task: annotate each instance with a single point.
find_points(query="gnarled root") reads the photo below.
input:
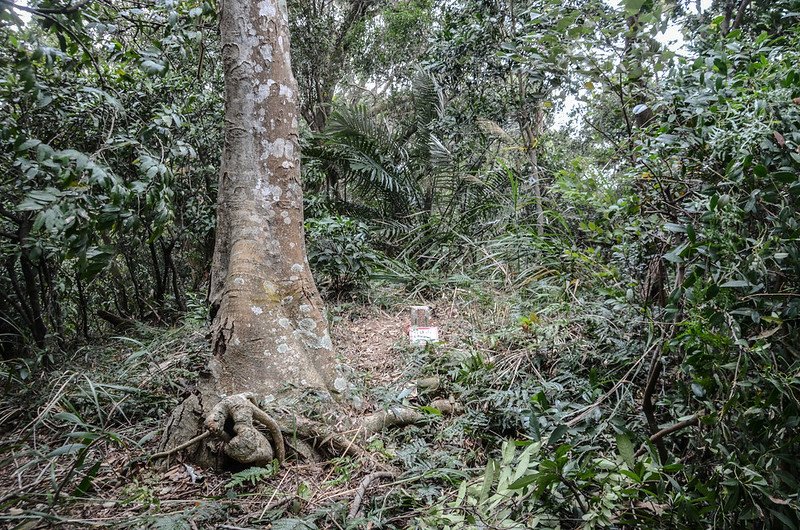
(362, 491)
(233, 421)
(177, 449)
(322, 436)
(247, 445)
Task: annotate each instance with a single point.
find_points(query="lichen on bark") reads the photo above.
(268, 332)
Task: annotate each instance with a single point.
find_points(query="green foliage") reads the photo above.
(660, 291)
(251, 476)
(672, 249)
(723, 162)
(339, 252)
(107, 183)
(110, 401)
(206, 512)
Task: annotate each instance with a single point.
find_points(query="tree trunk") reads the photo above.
(531, 132)
(268, 329)
(269, 334)
(38, 326)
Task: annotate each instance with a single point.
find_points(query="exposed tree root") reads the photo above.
(181, 447)
(247, 445)
(233, 420)
(401, 416)
(272, 426)
(321, 436)
(427, 384)
(362, 491)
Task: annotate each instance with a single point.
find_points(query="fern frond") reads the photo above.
(251, 475)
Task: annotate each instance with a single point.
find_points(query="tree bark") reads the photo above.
(268, 328)
(38, 326)
(531, 133)
(268, 333)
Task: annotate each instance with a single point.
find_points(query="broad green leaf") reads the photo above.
(523, 481)
(488, 479)
(69, 418)
(633, 6)
(626, 450)
(68, 449)
(28, 144)
(152, 67)
(557, 434)
(735, 284)
(431, 410)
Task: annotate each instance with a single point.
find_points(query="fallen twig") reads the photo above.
(582, 413)
(272, 505)
(362, 491)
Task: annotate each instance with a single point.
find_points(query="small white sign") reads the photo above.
(423, 334)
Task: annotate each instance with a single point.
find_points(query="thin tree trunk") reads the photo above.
(137, 293)
(38, 327)
(57, 315)
(531, 133)
(158, 293)
(82, 309)
(24, 309)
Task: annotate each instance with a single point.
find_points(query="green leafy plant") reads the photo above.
(251, 476)
(339, 252)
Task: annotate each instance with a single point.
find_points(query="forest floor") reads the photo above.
(75, 444)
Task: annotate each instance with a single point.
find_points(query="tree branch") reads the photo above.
(657, 437)
(648, 408)
(740, 14)
(8, 214)
(47, 14)
(41, 11)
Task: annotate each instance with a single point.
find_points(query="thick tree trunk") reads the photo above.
(269, 334)
(268, 328)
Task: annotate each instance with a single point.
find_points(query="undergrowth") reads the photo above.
(551, 435)
(73, 436)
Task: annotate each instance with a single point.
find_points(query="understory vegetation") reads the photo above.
(605, 226)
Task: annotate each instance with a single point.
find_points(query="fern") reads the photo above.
(251, 475)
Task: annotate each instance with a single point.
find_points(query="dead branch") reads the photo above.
(278, 503)
(117, 321)
(362, 491)
(582, 413)
(181, 447)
